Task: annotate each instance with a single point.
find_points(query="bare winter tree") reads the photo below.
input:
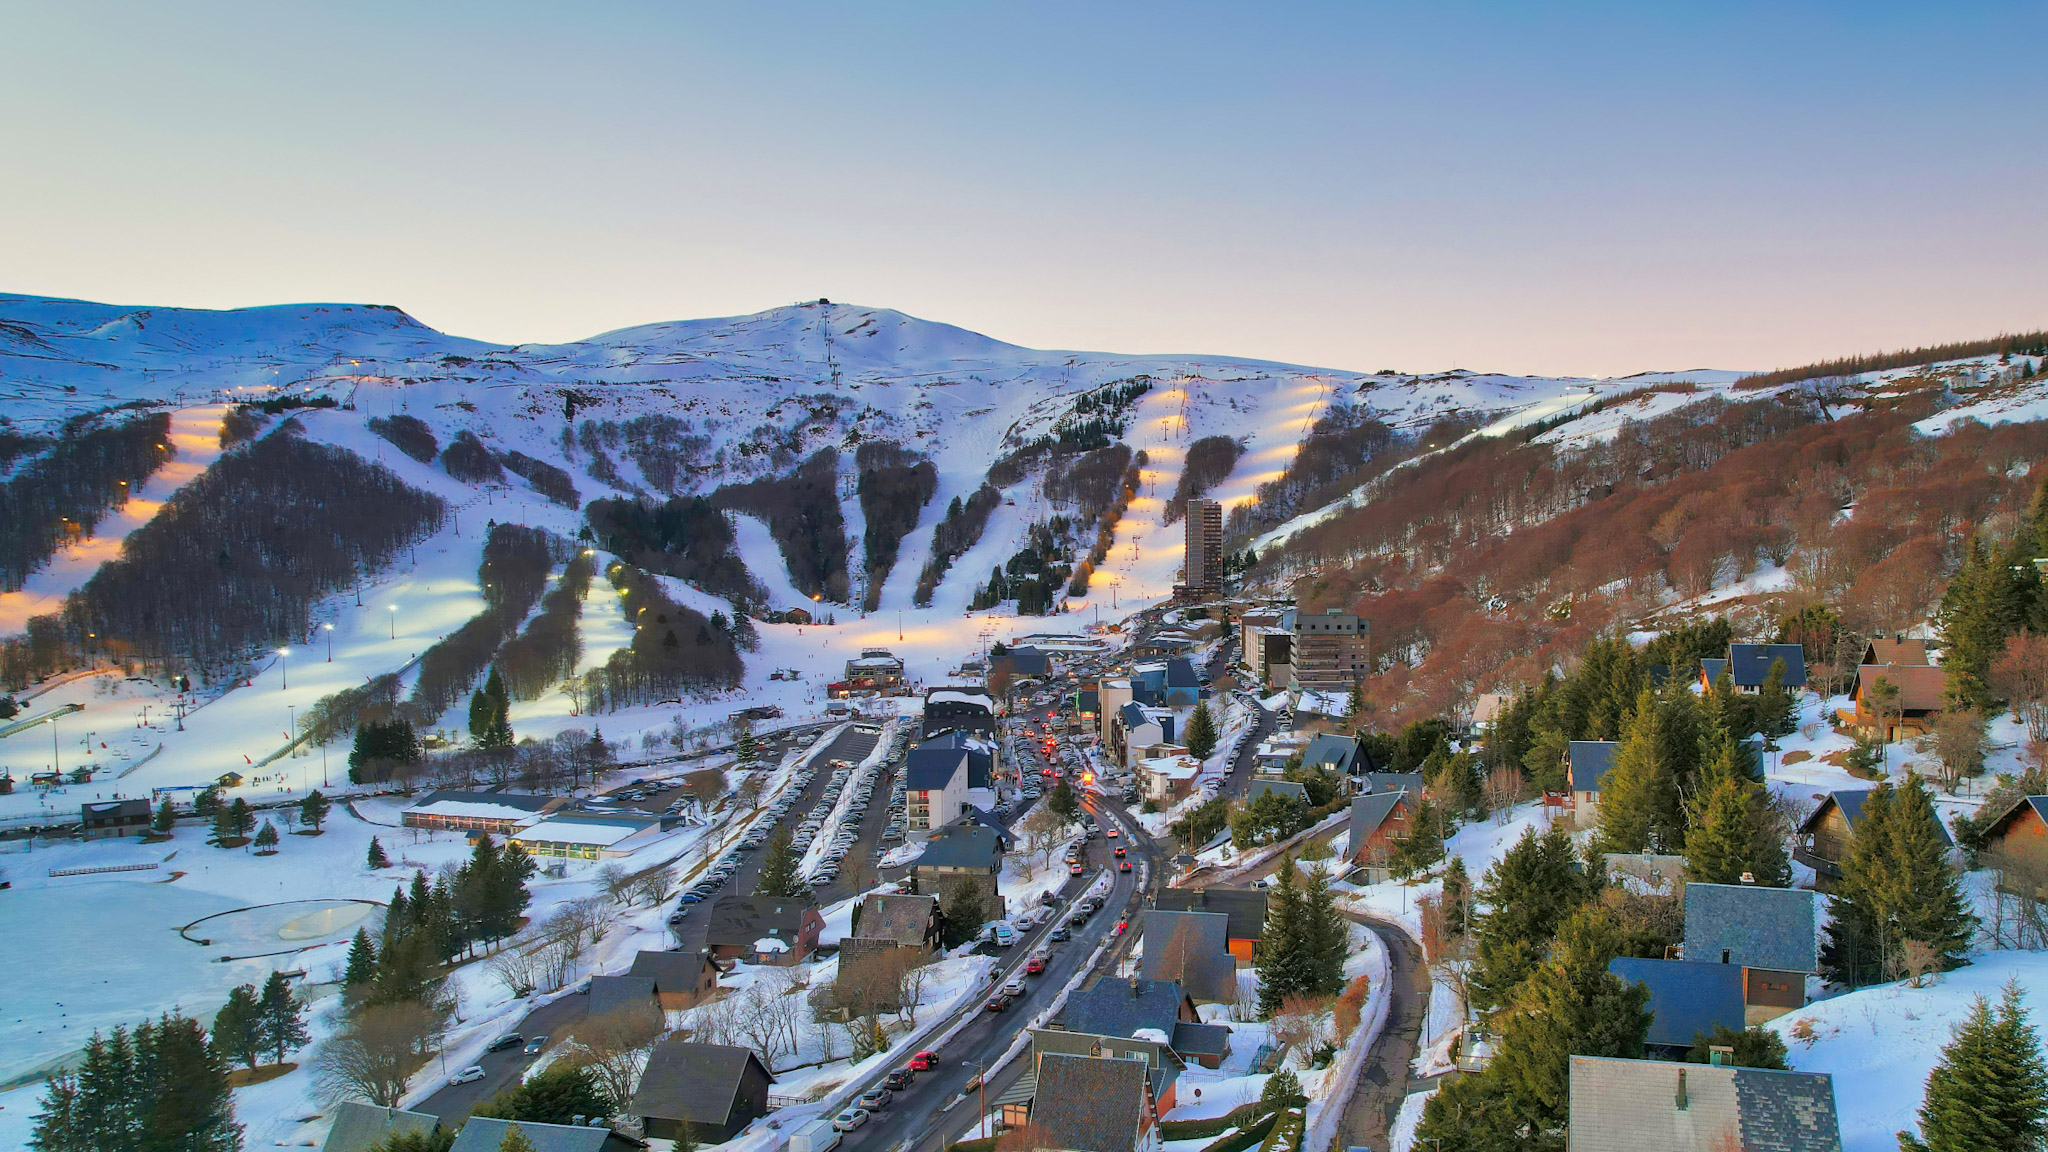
(615, 1046)
(373, 1057)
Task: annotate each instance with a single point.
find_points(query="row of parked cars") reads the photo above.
(756, 835)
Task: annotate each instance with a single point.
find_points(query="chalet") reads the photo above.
(1586, 765)
(1022, 663)
(886, 920)
(1191, 949)
(717, 1089)
(1487, 708)
(1920, 689)
(623, 995)
(1749, 665)
(961, 851)
(1664, 1106)
(934, 787)
(981, 757)
(100, 819)
(1375, 782)
(1898, 650)
(1379, 821)
(1339, 754)
(1245, 908)
(488, 1134)
(958, 710)
(1163, 1065)
(1824, 836)
(1094, 1104)
(875, 670)
(360, 1127)
(1767, 932)
(681, 979)
(1123, 1005)
(2016, 847)
(763, 930)
(1687, 998)
(494, 812)
(1287, 788)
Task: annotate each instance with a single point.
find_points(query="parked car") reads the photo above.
(509, 1040)
(1123, 865)
(534, 1045)
(999, 1003)
(924, 1061)
(469, 1075)
(875, 1098)
(1059, 935)
(1014, 986)
(900, 1078)
(850, 1119)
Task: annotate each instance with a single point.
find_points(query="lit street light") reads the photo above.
(283, 677)
(329, 629)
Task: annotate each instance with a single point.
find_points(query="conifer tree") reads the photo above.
(281, 1018)
(266, 839)
(222, 829)
(241, 817)
(1896, 887)
(1534, 887)
(1282, 959)
(1639, 795)
(238, 1027)
(479, 717)
(362, 960)
(1989, 1093)
(377, 858)
(515, 1140)
(1457, 897)
(165, 819)
(747, 749)
(1983, 604)
(1201, 735)
(313, 810)
(498, 729)
(1776, 712)
(779, 876)
(1723, 845)
(1323, 935)
(1425, 843)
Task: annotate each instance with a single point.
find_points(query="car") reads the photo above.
(850, 1119)
(1120, 850)
(924, 1061)
(875, 1098)
(509, 1040)
(1074, 868)
(1014, 986)
(534, 1045)
(1123, 865)
(677, 917)
(1035, 966)
(899, 1079)
(469, 1075)
(1000, 1002)
(1080, 916)
(1111, 832)
(1059, 935)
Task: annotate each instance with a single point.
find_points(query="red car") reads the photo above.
(1110, 832)
(924, 1061)
(1035, 966)
(1123, 865)
(1075, 868)
(999, 1003)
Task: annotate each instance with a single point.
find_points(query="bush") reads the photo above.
(408, 434)
(546, 479)
(469, 461)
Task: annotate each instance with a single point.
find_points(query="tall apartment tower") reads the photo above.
(1204, 558)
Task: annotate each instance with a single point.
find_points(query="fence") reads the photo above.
(56, 872)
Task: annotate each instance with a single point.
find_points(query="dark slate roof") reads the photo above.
(508, 799)
(1088, 1103)
(1409, 782)
(1627, 1105)
(670, 971)
(1201, 1039)
(483, 1134)
(1119, 1006)
(1686, 996)
(360, 1127)
(1180, 673)
(1339, 752)
(613, 993)
(742, 920)
(980, 761)
(1750, 664)
(685, 1080)
(1192, 948)
(932, 768)
(1712, 667)
(1369, 812)
(961, 845)
(1246, 907)
(899, 919)
(1026, 661)
(1088, 700)
(1850, 801)
(114, 809)
(1284, 787)
(1758, 927)
(1590, 760)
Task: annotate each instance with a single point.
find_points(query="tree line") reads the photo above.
(546, 653)
(512, 575)
(894, 484)
(802, 513)
(687, 537)
(62, 494)
(956, 532)
(1209, 461)
(675, 650)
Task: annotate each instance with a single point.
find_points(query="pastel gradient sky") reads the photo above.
(1569, 188)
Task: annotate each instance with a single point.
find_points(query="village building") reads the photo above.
(1191, 949)
(681, 979)
(588, 835)
(1663, 1106)
(1911, 712)
(1243, 908)
(1687, 999)
(1586, 765)
(100, 819)
(497, 813)
(763, 930)
(1826, 833)
(1767, 932)
(716, 1089)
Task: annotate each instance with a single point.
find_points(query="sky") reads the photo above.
(1569, 188)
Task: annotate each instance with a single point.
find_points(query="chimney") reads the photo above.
(1720, 1055)
(1682, 1102)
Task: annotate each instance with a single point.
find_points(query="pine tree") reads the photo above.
(498, 729)
(376, 858)
(1983, 604)
(479, 718)
(1639, 795)
(266, 839)
(1425, 843)
(779, 876)
(1323, 935)
(1749, 1048)
(165, 819)
(746, 749)
(1282, 956)
(56, 1127)
(1201, 735)
(1532, 889)
(1896, 887)
(313, 810)
(1776, 711)
(1457, 897)
(181, 1096)
(362, 960)
(241, 817)
(281, 1017)
(238, 1027)
(515, 1141)
(222, 829)
(1989, 1093)
(1733, 830)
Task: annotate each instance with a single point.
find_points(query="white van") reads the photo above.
(817, 1136)
(1002, 934)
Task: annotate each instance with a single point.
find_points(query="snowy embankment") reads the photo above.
(1341, 1082)
(863, 774)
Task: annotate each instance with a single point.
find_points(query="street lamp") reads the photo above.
(394, 621)
(329, 629)
(283, 677)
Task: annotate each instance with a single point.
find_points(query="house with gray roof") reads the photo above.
(1204, 1044)
(1767, 932)
(681, 979)
(763, 930)
(1379, 820)
(362, 1127)
(1121, 1005)
(1329, 750)
(1373, 782)
(104, 818)
(1687, 999)
(485, 1134)
(966, 850)
(934, 787)
(1664, 1106)
(1191, 949)
(718, 1089)
(1093, 1104)
(1244, 908)
(981, 761)
(610, 994)
(1586, 764)
(1826, 833)
(1287, 788)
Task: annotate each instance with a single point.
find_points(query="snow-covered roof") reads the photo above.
(1172, 767)
(472, 810)
(601, 831)
(948, 696)
(771, 944)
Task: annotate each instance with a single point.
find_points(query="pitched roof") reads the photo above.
(115, 808)
(1686, 996)
(615, 993)
(1590, 761)
(1850, 801)
(2038, 805)
(1192, 948)
(1246, 907)
(484, 1134)
(1920, 686)
(1284, 787)
(1750, 664)
(1900, 651)
(1088, 1103)
(980, 762)
(961, 845)
(670, 971)
(1133, 714)
(1633, 1105)
(1201, 1039)
(1339, 752)
(685, 1080)
(898, 919)
(1711, 669)
(933, 769)
(1409, 782)
(742, 920)
(521, 801)
(359, 1127)
(1756, 927)
(1119, 1006)
(1180, 673)
(1369, 812)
